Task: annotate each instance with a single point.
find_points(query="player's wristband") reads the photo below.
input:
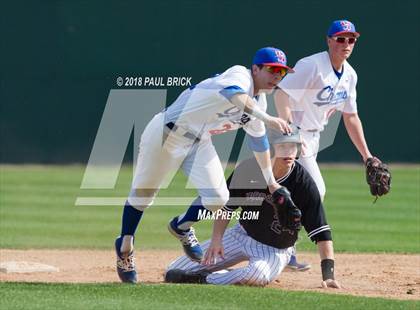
(327, 267)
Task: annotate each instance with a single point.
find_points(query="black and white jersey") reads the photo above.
(248, 182)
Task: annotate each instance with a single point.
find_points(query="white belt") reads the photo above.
(171, 126)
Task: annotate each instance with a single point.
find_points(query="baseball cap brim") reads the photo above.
(342, 32)
(276, 64)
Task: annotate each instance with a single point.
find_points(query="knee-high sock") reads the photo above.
(186, 220)
(130, 219)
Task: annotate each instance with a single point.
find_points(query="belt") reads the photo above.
(186, 134)
(311, 130)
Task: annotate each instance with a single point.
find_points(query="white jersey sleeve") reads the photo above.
(236, 76)
(297, 83)
(256, 127)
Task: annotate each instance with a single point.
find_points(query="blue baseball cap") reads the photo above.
(271, 56)
(342, 26)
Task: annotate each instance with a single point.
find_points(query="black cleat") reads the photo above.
(181, 276)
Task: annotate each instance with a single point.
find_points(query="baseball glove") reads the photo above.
(288, 214)
(378, 177)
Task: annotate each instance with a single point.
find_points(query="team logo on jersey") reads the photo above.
(328, 96)
(278, 229)
(255, 196)
(229, 112)
(345, 25)
(276, 226)
(227, 127)
(245, 118)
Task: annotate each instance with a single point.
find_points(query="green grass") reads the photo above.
(112, 296)
(37, 211)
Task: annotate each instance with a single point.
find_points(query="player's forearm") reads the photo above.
(282, 104)
(243, 101)
(325, 249)
(326, 252)
(261, 149)
(246, 103)
(219, 228)
(355, 131)
(264, 161)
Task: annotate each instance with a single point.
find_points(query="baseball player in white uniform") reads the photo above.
(180, 137)
(323, 84)
(266, 242)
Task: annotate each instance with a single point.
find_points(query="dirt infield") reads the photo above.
(379, 275)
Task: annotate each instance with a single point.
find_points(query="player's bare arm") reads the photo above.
(215, 249)
(282, 104)
(326, 252)
(246, 103)
(355, 131)
(378, 175)
(325, 249)
(264, 161)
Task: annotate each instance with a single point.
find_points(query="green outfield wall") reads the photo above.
(60, 59)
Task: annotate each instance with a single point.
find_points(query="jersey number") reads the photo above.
(226, 128)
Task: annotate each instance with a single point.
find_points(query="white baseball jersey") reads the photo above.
(205, 109)
(316, 92)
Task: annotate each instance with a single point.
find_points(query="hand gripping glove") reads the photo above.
(378, 177)
(288, 214)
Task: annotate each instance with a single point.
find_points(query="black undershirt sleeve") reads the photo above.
(233, 192)
(313, 215)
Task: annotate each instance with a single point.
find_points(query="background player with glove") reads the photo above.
(324, 83)
(267, 243)
(180, 137)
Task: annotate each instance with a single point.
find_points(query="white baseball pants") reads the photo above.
(265, 262)
(308, 160)
(162, 152)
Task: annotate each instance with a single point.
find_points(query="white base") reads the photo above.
(25, 267)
